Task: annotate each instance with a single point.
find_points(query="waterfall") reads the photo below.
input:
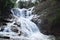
(25, 28)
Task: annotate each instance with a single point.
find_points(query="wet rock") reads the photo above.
(14, 29)
(18, 24)
(5, 37)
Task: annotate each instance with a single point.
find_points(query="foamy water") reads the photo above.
(28, 30)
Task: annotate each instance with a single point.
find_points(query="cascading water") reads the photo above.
(26, 29)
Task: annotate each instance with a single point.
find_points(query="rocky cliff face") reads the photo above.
(50, 17)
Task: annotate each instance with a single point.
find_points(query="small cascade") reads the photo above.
(22, 27)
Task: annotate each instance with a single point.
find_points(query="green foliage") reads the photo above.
(26, 4)
(57, 19)
(21, 4)
(5, 6)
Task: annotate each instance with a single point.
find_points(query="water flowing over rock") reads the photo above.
(22, 27)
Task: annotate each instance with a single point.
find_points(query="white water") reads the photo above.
(29, 29)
